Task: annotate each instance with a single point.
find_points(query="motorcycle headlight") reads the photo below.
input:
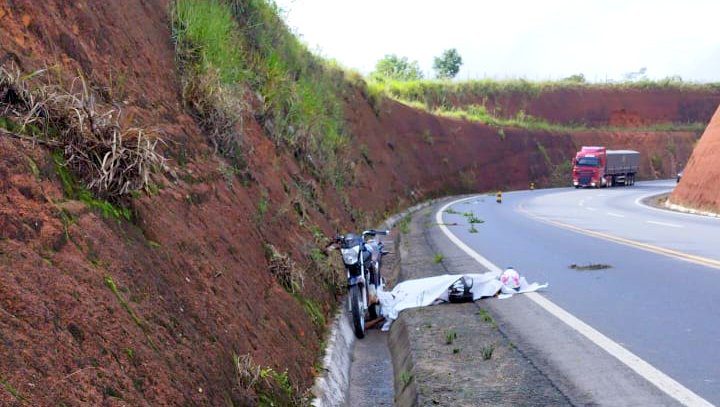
(351, 255)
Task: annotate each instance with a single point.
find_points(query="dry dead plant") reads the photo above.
(248, 373)
(287, 273)
(218, 110)
(108, 159)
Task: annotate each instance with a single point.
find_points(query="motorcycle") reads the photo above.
(362, 256)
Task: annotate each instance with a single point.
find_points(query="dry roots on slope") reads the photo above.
(109, 160)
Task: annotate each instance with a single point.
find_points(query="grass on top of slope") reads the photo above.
(436, 93)
(480, 114)
(233, 46)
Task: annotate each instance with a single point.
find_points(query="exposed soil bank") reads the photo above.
(699, 188)
(614, 107)
(592, 105)
(156, 310)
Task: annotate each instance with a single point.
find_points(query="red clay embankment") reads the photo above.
(595, 105)
(699, 188)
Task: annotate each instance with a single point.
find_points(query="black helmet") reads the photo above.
(460, 291)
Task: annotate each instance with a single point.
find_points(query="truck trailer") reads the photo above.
(597, 167)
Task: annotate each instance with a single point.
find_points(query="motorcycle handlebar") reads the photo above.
(373, 232)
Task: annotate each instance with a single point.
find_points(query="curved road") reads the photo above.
(659, 298)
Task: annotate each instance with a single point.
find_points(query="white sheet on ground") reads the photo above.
(431, 290)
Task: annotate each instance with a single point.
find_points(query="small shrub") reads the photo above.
(561, 174)
(451, 211)
(263, 205)
(486, 317)
(313, 310)
(657, 163)
(543, 151)
(472, 219)
(285, 270)
(487, 352)
(73, 190)
(404, 224)
(450, 336)
(248, 373)
(110, 160)
(405, 379)
(438, 258)
(428, 137)
(12, 390)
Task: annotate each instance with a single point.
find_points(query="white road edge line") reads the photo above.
(670, 212)
(659, 379)
(617, 215)
(672, 225)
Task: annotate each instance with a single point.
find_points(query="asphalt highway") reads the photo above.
(659, 296)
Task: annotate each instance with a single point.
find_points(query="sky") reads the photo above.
(536, 40)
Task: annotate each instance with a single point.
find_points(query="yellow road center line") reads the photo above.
(703, 261)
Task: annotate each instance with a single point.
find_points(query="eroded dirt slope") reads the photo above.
(96, 310)
(699, 186)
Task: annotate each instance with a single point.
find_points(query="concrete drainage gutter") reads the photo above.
(331, 387)
(402, 361)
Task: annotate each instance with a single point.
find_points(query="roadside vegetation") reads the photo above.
(230, 52)
(99, 161)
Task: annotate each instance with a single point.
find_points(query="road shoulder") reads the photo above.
(456, 354)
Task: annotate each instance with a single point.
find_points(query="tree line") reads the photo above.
(391, 66)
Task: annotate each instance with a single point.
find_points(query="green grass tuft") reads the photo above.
(313, 310)
(74, 190)
(450, 336)
(405, 379)
(207, 28)
(12, 390)
(404, 224)
(487, 352)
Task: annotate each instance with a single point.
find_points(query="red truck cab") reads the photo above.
(588, 167)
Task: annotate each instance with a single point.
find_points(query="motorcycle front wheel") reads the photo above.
(358, 313)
